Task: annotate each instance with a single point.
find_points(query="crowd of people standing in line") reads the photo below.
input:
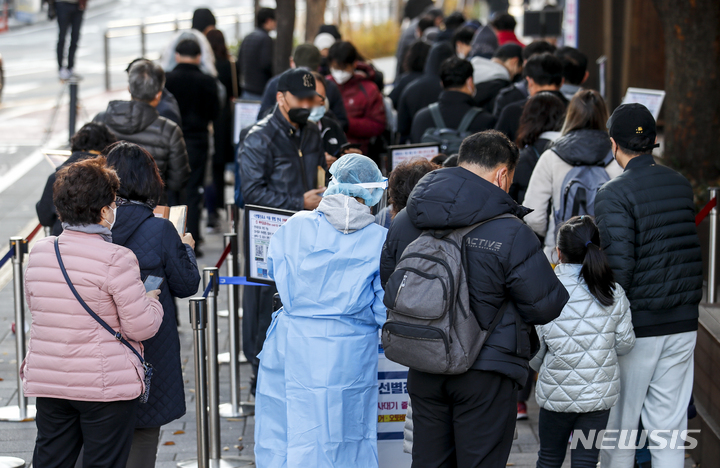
(581, 253)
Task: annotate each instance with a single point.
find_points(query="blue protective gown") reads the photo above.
(316, 401)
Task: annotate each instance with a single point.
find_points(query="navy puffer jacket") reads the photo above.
(504, 260)
(160, 252)
(647, 227)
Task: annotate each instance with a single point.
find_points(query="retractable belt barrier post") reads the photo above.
(712, 264)
(198, 321)
(21, 412)
(211, 283)
(210, 277)
(233, 409)
(17, 251)
(232, 216)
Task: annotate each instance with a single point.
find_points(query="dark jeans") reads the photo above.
(64, 426)
(143, 452)
(257, 305)
(197, 149)
(465, 420)
(69, 15)
(555, 429)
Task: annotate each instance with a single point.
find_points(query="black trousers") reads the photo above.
(257, 315)
(463, 421)
(143, 452)
(69, 15)
(105, 429)
(197, 149)
(555, 429)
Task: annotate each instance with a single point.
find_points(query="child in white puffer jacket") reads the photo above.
(578, 374)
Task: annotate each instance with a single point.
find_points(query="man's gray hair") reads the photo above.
(145, 79)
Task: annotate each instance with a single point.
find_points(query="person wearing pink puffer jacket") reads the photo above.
(86, 381)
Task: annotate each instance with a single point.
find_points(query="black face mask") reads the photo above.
(299, 115)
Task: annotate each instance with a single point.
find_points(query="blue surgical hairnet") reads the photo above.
(354, 169)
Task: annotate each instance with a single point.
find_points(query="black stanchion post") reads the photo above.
(21, 412)
(73, 105)
(198, 321)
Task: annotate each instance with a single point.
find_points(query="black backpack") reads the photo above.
(449, 139)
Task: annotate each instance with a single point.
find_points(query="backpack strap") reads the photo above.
(467, 230)
(436, 115)
(468, 119)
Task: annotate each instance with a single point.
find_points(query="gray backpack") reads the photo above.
(430, 326)
(580, 186)
(449, 139)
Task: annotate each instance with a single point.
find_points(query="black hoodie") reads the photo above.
(425, 90)
(515, 267)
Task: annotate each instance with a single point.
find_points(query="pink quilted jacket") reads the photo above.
(70, 355)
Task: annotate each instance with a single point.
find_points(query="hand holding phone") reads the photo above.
(153, 282)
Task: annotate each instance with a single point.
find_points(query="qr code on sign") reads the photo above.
(259, 252)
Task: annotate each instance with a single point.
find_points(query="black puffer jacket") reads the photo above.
(256, 61)
(516, 269)
(272, 171)
(160, 252)
(139, 123)
(647, 228)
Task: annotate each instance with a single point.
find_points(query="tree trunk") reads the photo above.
(314, 18)
(692, 104)
(285, 16)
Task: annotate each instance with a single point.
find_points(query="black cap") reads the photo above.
(300, 83)
(632, 126)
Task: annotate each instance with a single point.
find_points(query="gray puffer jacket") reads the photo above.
(138, 122)
(577, 363)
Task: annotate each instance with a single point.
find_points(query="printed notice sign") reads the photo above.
(260, 225)
(245, 115)
(392, 408)
(401, 154)
(650, 98)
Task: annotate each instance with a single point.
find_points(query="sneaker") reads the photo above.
(65, 74)
(521, 410)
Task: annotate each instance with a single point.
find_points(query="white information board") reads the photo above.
(404, 153)
(244, 115)
(260, 224)
(650, 98)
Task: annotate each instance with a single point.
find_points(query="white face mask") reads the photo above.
(340, 76)
(114, 210)
(462, 55)
(317, 113)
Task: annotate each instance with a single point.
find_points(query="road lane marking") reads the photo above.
(20, 169)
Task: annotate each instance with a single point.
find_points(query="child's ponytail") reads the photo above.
(579, 242)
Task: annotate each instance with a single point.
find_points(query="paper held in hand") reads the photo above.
(175, 214)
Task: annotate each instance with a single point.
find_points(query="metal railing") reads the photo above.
(142, 27)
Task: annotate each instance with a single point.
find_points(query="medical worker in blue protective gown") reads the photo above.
(317, 391)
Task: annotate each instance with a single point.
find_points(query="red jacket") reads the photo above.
(365, 109)
(505, 37)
